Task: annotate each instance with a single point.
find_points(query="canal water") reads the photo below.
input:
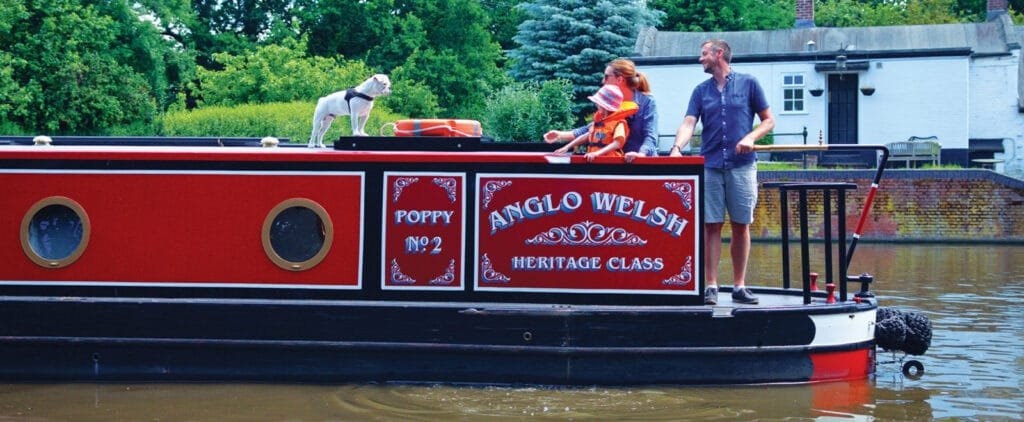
(974, 369)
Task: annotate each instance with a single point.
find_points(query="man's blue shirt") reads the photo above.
(726, 117)
(643, 126)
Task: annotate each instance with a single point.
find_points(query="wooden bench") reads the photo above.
(911, 152)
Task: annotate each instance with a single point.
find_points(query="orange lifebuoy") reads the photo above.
(438, 127)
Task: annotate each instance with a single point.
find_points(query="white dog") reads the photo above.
(356, 103)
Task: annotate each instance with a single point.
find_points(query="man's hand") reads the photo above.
(630, 156)
(591, 156)
(745, 145)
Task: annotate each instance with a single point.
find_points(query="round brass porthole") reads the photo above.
(297, 234)
(55, 232)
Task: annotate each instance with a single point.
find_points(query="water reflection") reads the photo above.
(974, 369)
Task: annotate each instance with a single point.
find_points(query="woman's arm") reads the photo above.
(568, 147)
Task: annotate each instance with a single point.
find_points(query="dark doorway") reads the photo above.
(842, 124)
(842, 108)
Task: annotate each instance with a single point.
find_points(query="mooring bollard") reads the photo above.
(269, 142)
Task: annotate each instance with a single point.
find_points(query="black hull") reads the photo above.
(109, 339)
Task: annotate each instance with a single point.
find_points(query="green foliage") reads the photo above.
(460, 87)
(440, 44)
(848, 13)
(230, 26)
(776, 166)
(725, 15)
(505, 18)
(411, 98)
(927, 12)
(525, 111)
(283, 120)
(72, 67)
(276, 73)
(575, 39)
(283, 73)
(930, 166)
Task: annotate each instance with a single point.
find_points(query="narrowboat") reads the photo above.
(436, 260)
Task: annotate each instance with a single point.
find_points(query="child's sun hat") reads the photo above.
(609, 98)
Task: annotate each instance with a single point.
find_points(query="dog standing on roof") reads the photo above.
(355, 102)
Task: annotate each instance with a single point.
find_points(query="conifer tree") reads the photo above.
(575, 39)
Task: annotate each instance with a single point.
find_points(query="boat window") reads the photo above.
(297, 234)
(55, 232)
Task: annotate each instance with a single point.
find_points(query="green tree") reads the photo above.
(83, 67)
(285, 73)
(231, 26)
(440, 44)
(725, 15)
(505, 17)
(575, 39)
(849, 13)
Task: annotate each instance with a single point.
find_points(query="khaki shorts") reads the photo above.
(734, 190)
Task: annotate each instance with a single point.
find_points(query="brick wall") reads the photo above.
(916, 205)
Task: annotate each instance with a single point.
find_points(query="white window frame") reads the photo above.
(798, 89)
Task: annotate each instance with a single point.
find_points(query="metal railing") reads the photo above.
(845, 256)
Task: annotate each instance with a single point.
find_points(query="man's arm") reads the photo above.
(683, 135)
(767, 124)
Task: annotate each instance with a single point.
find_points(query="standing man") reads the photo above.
(726, 104)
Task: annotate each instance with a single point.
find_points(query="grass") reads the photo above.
(776, 166)
(941, 167)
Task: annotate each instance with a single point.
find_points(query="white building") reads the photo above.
(872, 85)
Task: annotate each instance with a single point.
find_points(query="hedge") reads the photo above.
(292, 120)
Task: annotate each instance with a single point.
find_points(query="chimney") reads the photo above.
(995, 8)
(805, 12)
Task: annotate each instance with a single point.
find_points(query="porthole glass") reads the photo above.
(55, 232)
(297, 234)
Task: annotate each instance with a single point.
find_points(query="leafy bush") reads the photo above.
(276, 73)
(292, 120)
(283, 73)
(525, 111)
(411, 98)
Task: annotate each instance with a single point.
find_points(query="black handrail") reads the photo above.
(864, 279)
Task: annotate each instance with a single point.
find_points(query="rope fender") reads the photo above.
(906, 331)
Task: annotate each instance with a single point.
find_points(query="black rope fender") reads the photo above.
(906, 331)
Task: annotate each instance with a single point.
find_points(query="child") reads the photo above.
(609, 130)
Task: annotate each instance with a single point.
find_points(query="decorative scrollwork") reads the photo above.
(402, 183)
(586, 233)
(492, 187)
(448, 184)
(489, 274)
(685, 275)
(449, 275)
(397, 276)
(684, 190)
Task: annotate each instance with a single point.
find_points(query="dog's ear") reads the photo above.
(382, 78)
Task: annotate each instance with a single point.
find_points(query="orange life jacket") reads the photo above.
(602, 132)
